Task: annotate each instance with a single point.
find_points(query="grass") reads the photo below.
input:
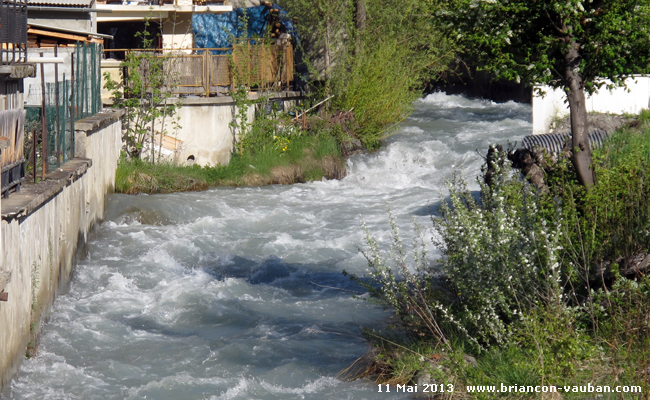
(305, 158)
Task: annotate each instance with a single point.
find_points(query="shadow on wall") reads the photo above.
(472, 83)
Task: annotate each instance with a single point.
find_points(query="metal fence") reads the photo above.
(211, 72)
(86, 74)
(53, 107)
(13, 31)
(59, 127)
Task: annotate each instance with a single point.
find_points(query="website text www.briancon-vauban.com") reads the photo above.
(588, 388)
(433, 388)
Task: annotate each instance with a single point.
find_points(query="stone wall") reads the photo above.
(45, 226)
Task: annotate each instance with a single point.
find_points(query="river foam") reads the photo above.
(237, 293)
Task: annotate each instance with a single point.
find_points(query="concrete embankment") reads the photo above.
(44, 227)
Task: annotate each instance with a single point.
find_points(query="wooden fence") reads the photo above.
(12, 131)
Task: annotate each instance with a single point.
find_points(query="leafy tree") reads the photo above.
(325, 28)
(146, 94)
(569, 44)
(373, 56)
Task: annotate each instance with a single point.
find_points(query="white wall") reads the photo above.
(205, 128)
(206, 133)
(39, 247)
(620, 100)
(177, 33)
(33, 85)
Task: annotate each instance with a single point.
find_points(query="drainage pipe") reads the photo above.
(554, 142)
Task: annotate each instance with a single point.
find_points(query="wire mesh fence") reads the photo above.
(62, 102)
(86, 96)
(59, 130)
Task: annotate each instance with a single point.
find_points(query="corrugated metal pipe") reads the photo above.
(554, 142)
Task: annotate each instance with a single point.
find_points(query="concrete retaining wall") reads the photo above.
(205, 132)
(205, 127)
(620, 100)
(44, 226)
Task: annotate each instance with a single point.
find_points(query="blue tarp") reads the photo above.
(218, 30)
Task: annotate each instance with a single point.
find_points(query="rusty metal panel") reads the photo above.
(12, 123)
(263, 66)
(219, 70)
(187, 70)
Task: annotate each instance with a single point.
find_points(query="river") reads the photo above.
(237, 293)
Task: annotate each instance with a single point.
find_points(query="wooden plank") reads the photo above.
(20, 133)
(12, 124)
(168, 142)
(4, 296)
(59, 35)
(5, 278)
(48, 42)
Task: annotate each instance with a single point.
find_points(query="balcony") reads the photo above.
(177, 3)
(124, 10)
(13, 32)
(209, 72)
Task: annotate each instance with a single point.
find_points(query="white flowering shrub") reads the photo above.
(403, 282)
(500, 261)
(501, 254)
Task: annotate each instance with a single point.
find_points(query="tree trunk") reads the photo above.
(328, 54)
(153, 142)
(360, 22)
(360, 17)
(578, 109)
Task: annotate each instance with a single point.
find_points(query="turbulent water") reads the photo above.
(237, 293)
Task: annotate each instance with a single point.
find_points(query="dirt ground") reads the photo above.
(606, 122)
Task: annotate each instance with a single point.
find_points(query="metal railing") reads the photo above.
(214, 71)
(54, 105)
(164, 2)
(13, 31)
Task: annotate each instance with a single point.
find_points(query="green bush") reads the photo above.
(501, 263)
(622, 321)
(608, 224)
(531, 282)
(380, 87)
(373, 57)
(501, 255)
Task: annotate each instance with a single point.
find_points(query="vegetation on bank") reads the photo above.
(372, 57)
(358, 90)
(534, 288)
(273, 155)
